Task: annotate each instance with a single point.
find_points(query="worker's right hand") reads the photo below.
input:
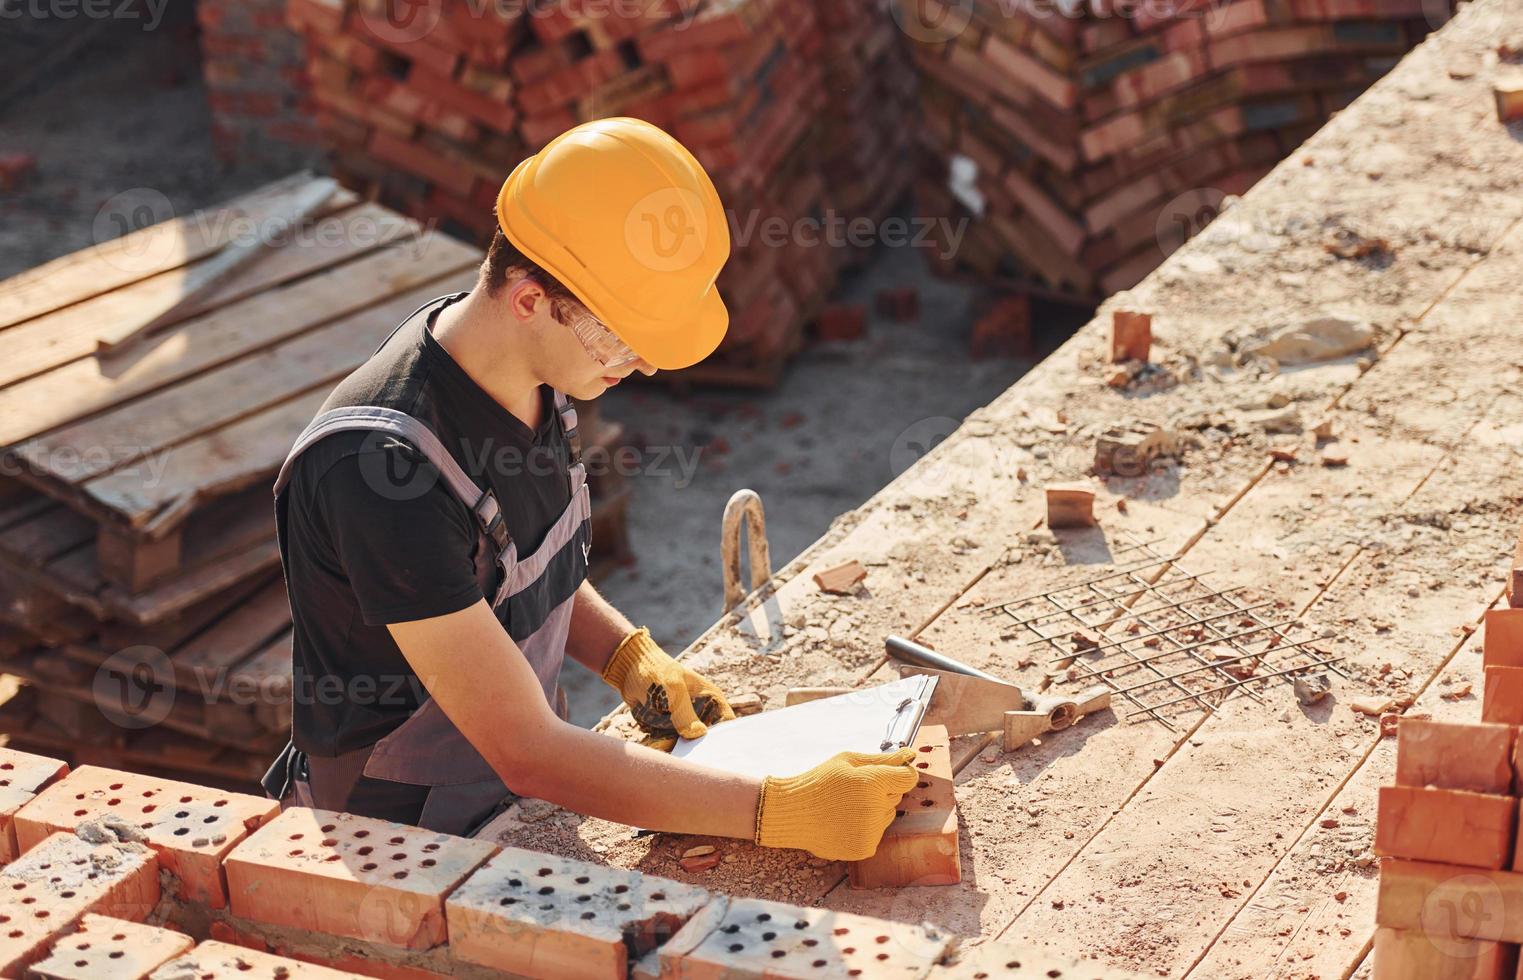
(839, 809)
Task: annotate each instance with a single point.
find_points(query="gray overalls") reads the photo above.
(427, 750)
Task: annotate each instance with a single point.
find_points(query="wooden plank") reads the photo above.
(205, 661)
(130, 258)
(46, 535)
(68, 336)
(216, 272)
(137, 433)
(217, 463)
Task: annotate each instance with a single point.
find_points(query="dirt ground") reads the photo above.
(128, 111)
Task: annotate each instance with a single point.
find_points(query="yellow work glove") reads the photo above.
(839, 809)
(665, 697)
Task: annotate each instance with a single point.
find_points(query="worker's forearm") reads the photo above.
(597, 629)
(627, 783)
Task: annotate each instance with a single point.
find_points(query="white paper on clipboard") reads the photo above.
(789, 741)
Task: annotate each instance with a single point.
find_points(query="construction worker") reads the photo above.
(434, 530)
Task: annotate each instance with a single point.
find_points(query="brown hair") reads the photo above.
(505, 263)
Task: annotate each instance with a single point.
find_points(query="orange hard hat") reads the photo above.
(623, 215)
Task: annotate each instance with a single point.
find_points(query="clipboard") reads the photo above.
(792, 740)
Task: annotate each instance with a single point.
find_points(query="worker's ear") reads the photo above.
(525, 298)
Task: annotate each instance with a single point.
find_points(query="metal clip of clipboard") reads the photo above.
(907, 717)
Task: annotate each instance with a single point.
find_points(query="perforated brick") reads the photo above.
(999, 961)
(920, 846)
(218, 961)
(737, 939)
(351, 876)
(543, 916)
(11, 802)
(23, 770)
(53, 885)
(191, 827)
(108, 947)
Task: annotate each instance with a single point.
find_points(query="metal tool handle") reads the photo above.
(744, 504)
(910, 652)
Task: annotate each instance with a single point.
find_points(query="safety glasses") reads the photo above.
(602, 344)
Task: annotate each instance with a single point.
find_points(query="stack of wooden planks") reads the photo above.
(430, 117)
(1084, 149)
(139, 577)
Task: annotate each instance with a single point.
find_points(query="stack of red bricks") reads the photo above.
(1451, 876)
(107, 873)
(253, 65)
(1085, 148)
(431, 114)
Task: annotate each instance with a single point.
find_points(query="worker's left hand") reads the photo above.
(666, 698)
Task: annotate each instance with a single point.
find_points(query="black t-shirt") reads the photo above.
(374, 536)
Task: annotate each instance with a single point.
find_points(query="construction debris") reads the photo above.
(1070, 505)
(1131, 336)
(1322, 338)
(1129, 449)
(841, 579)
(1509, 95)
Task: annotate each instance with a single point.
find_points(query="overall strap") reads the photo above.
(567, 412)
(400, 425)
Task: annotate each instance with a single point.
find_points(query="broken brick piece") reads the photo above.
(747, 937)
(901, 304)
(214, 960)
(351, 876)
(15, 168)
(842, 321)
(1131, 336)
(1446, 825)
(109, 947)
(1070, 506)
(1402, 954)
(11, 802)
(1502, 638)
(920, 846)
(191, 827)
(840, 579)
(1005, 331)
(1515, 576)
(33, 773)
(1450, 755)
(538, 915)
(51, 887)
(1503, 700)
(1509, 95)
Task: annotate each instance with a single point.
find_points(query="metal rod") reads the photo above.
(1079, 585)
(1130, 613)
(1192, 654)
(1247, 680)
(1208, 666)
(1090, 602)
(910, 652)
(1194, 646)
(1167, 629)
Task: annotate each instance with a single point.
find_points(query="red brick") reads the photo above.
(11, 802)
(49, 889)
(920, 846)
(25, 771)
(1005, 331)
(1502, 638)
(901, 304)
(1402, 954)
(735, 937)
(213, 960)
(116, 948)
(842, 322)
(191, 827)
(1448, 755)
(1131, 336)
(351, 876)
(1503, 700)
(1446, 825)
(539, 915)
(1515, 577)
(1467, 903)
